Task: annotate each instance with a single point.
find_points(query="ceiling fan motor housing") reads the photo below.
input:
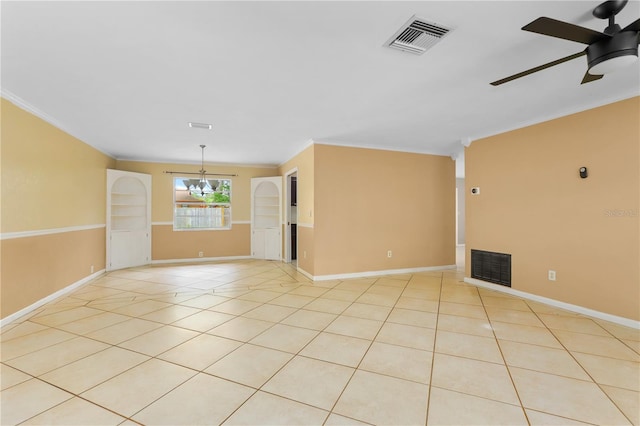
(621, 44)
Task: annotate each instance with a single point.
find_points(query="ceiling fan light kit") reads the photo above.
(606, 51)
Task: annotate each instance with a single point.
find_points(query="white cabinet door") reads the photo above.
(128, 219)
(272, 244)
(258, 244)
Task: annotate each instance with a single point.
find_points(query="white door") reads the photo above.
(266, 217)
(128, 219)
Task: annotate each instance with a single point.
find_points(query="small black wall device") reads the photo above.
(583, 172)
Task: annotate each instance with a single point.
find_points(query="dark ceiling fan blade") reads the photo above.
(564, 30)
(539, 68)
(590, 77)
(634, 26)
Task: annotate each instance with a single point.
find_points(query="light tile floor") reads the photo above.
(254, 342)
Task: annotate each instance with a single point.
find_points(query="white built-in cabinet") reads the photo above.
(128, 219)
(266, 218)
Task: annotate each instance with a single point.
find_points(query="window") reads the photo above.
(201, 204)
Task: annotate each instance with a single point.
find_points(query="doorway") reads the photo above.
(291, 216)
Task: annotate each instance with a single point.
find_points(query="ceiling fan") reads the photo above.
(606, 51)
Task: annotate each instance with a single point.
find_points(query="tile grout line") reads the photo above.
(504, 361)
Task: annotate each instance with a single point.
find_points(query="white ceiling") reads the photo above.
(126, 77)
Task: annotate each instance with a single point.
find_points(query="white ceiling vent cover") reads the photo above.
(417, 36)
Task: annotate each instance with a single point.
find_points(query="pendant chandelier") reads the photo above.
(201, 185)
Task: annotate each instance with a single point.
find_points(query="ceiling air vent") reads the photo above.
(417, 36)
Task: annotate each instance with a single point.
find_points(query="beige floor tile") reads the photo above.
(261, 296)
(240, 365)
(355, 327)
(627, 401)
(565, 397)
(330, 306)
(360, 285)
(12, 331)
(202, 400)
(633, 344)
(344, 295)
(372, 312)
(379, 399)
(268, 312)
(398, 361)
(411, 317)
(204, 301)
(417, 304)
(537, 418)
(422, 293)
(466, 325)
(55, 356)
(285, 338)
(94, 369)
(32, 342)
(468, 346)
(170, 314)
(310, 381)
(610, 371)
(513, 316)
(10, 377)
(525, 334)
(596, 345)
(243, 329)
(407, 335)
(136, 388)
(465, 298)
(336, 348)
(479, 378)
(203, 320)
(573, 324)
(393, 281)
(66, 316)
(27, 399)
(542, 358)
(266, 409)
(620, 331)
(337, 420)
(453, 408)
(122, 331)
(159, 340)
(235, 306)
(137, 309)
(93, 323)
(505, 303)
(392, 292)
(310, 319)
(77, 411)
(463, 310)
(200, 352)
(292, 300)
(307, 290)
(377, 299)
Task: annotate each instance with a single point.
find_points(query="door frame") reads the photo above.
(287, 214)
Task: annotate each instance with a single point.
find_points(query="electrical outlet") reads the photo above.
(389, 253)
(552, 275)
(200, 253)
(92, 269)
(304, 254)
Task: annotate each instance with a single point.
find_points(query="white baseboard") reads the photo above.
(366, 274)
(200, 259)
(556, 303)
(68, 289)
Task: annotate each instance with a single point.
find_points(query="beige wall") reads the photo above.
(50, 181)
(534, 205)
(169, 244)
(370, 201)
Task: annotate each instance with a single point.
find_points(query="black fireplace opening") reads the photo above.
(491, 266)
